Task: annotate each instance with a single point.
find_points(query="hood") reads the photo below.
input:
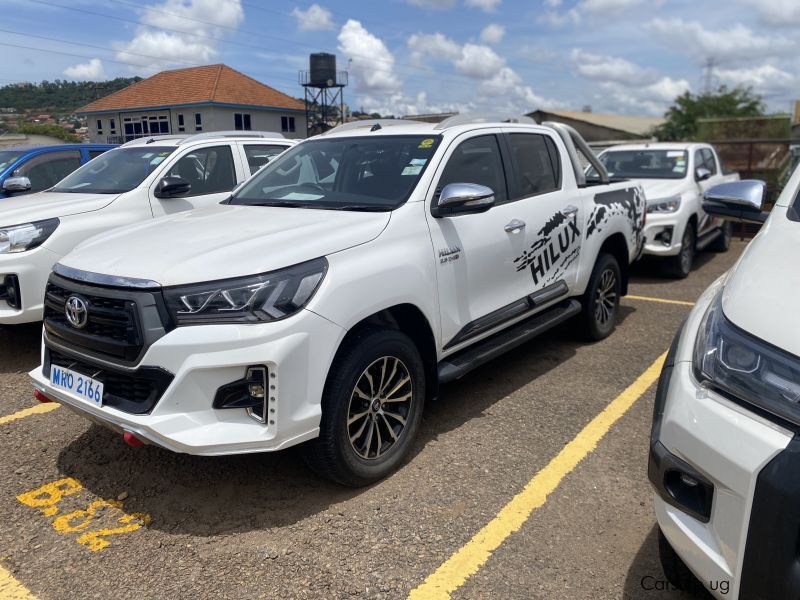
(760, 295)
(221, 241)
(657, 189)
(48, 205)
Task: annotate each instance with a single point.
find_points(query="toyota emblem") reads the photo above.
(77, 312)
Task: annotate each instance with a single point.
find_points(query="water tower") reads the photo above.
(324, 87)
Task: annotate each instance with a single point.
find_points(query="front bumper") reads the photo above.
(297, 353)
(747, 534)
(32, 269)
(663, 233)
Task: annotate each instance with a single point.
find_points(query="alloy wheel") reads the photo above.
(605, 302)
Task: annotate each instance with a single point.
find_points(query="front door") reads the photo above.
(478, 280)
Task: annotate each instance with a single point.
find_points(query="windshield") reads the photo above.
(115, 171)
(643, 164)
(376, 173)
(7, 158)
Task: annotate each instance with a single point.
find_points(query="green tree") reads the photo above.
(55, 131)
(682, 116)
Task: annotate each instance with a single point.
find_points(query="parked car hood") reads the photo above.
(48, 205)
(658, 189)
(222, 241)
(761, 293)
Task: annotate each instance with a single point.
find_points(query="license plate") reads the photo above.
(77, 384)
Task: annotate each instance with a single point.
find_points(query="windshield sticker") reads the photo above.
(157, 160)
(418, 162)
(412, 170)
(301, 196)
(427, 143)
(675, 154)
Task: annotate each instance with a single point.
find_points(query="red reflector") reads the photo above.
(40, 396)
(132, 440)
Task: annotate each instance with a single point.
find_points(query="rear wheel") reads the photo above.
(601, 301)
(371, 408)
(680, 266)
(723, 241)
(676, 571)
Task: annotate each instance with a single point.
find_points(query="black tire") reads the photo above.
(676, 571)
(601, 300)
(680, 266)
(723, 242)
(357, 463)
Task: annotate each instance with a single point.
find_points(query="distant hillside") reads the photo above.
(58, 96)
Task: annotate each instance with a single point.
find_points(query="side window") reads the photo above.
(46, 170)
(209, 170)
(476, 160)
(536, 171)
(699, 159)
(258, 155)
(710, 163)
(95, 153)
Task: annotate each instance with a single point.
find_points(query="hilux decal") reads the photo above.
(557, 246)
(628, 202)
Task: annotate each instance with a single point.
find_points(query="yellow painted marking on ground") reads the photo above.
(39, 409)
(471, 557)
(661, 300)
(11, 589)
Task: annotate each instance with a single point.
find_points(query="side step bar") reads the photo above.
(456, 366)
(707, 238)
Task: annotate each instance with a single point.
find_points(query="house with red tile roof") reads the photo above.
(193, 100)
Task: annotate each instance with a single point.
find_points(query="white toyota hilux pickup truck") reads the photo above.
(674, 176)
(139, 181)
(328, 298)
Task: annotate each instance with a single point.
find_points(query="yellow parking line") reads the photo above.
(39, 409)
(471, 557)
(11, 589)
(662, 300)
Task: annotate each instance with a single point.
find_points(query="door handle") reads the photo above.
(570, 210)
(515, 226)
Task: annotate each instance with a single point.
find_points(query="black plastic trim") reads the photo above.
(663, 384)
(664, 470)
(11, 281)
(771, 567)
(459, 364)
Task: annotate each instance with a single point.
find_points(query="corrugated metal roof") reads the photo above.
(629, 123)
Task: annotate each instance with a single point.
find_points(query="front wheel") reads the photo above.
(601, 301)
(371, 408)
(680, 266)
(723, 241)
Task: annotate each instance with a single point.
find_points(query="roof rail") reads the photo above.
(245, 134)
(370, 123)
(154, 138)
(468, 119)
(572, 140)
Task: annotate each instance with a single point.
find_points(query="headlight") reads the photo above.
(256, 299)
(733, 361)
(19, 238)
(664, 205)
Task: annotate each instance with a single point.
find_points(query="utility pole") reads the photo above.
(709, 75)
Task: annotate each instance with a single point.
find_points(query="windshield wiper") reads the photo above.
(360, 207)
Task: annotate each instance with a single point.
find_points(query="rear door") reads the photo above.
(480, 286)
(553, 216)
(258, 154)
(704, 158)
(212, 172)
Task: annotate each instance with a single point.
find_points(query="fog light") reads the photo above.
(664, 236)
(249, 393)
(688, 480)
(9, 291)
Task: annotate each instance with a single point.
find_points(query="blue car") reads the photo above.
(28, 169)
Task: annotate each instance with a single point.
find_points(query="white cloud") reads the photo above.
(433, 4)
(91, 71)
(610, 68)
(372, 64)
(434, 45)
(478, 62)
(594, 9)
(767, 80)
(737, 43)
(207, 18)
(493, 34)
(314, 18)
(605, 7)
(778, 13)
(652, 99)
(484, 5)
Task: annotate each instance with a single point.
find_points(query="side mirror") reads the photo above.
(701, 174)
(737, 200)
(463, 198)
(172, 187)
(14, 185)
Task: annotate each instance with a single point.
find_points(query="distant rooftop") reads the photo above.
(636, 125)
(212, 84)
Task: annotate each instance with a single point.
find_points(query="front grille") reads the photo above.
(136, 392)
(121, 323)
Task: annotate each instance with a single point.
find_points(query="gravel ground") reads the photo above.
(264, 527)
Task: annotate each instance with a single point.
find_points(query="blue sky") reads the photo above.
(413, 56)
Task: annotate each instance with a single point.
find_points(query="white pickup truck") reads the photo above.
(331, 295)
(674, 177)
(139, 181)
